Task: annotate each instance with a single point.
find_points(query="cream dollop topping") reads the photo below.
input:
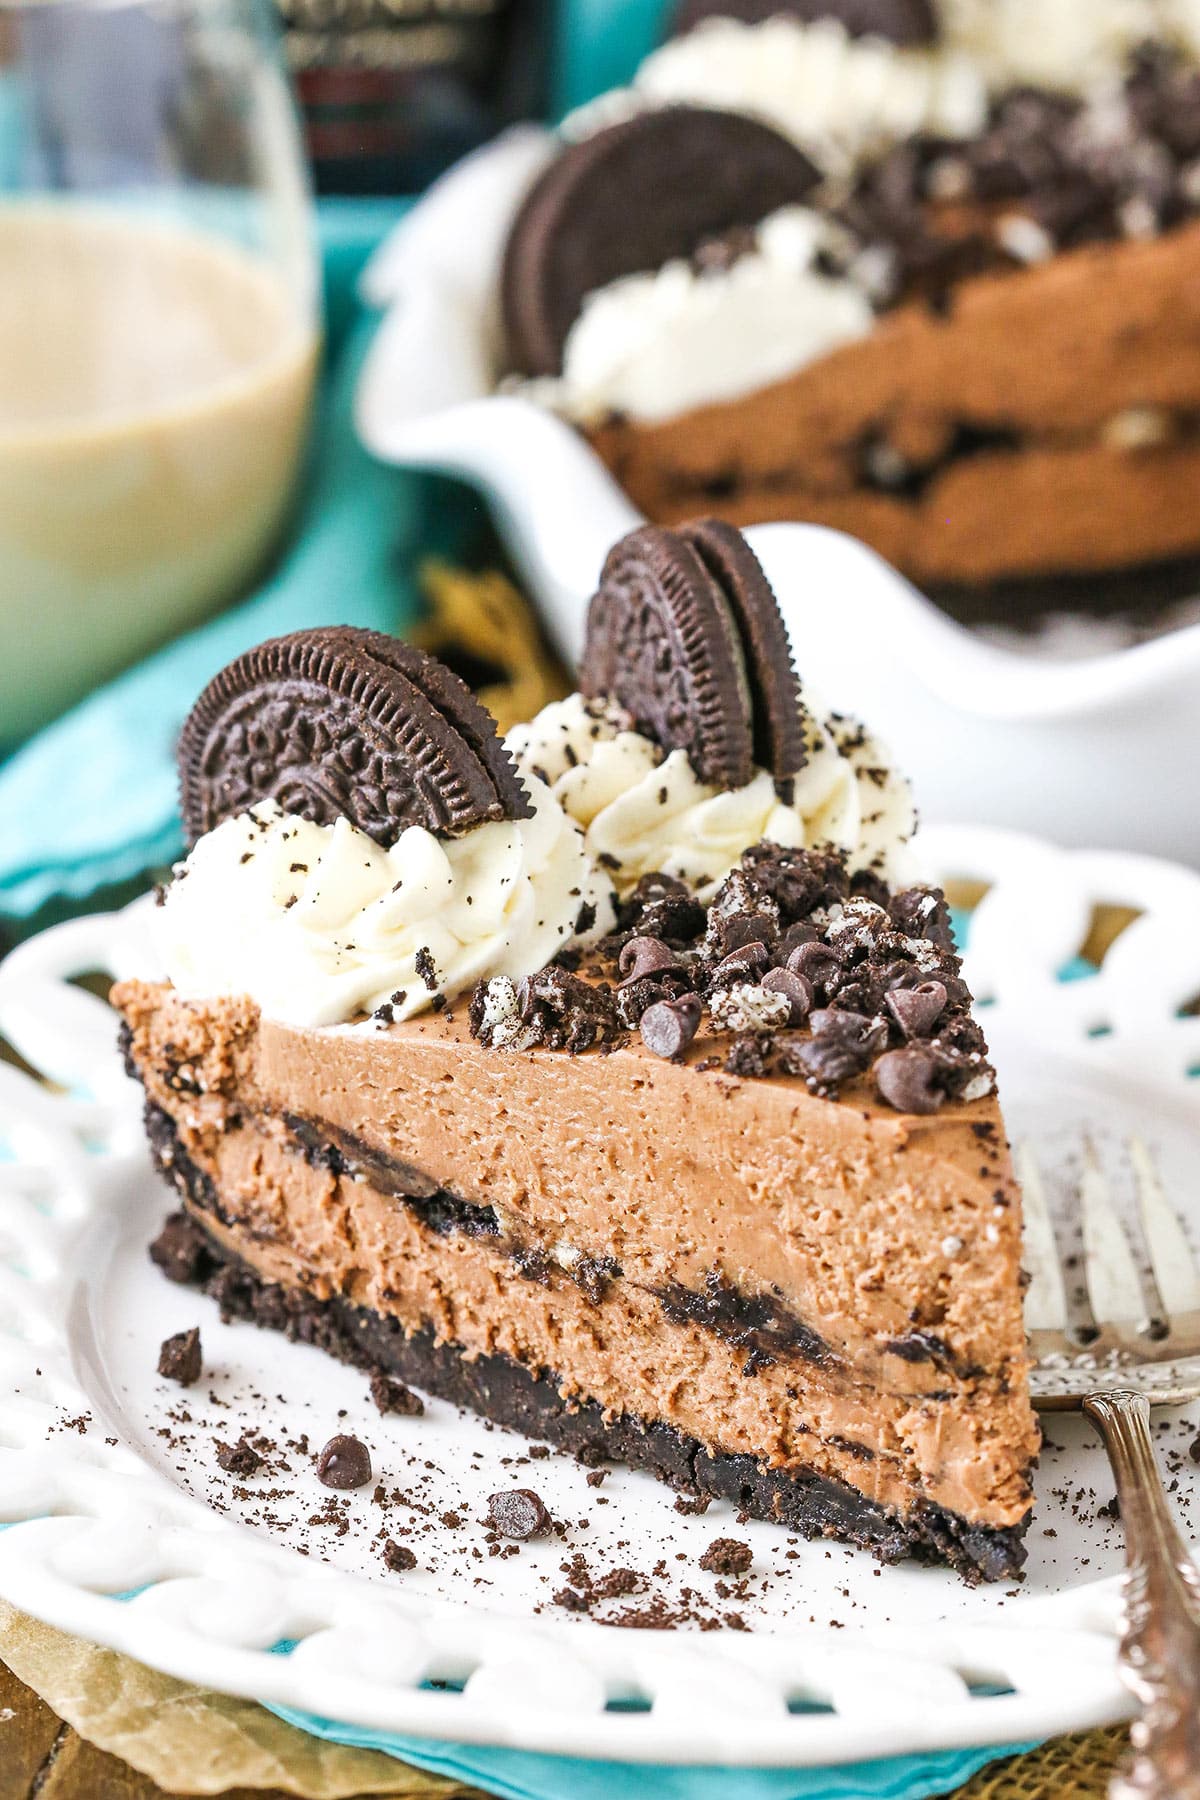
(1069, 46)
(650, 346)
(319, 924)
(642, 811)
(842, 99)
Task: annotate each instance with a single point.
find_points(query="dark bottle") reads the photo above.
(394, 91)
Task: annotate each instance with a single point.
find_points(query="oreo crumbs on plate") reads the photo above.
(180, 1358)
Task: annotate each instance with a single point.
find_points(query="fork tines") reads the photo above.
(1151, 1314)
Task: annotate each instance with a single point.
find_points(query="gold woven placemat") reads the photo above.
(1070, 1768)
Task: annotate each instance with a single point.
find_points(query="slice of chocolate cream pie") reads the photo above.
(619, 1081)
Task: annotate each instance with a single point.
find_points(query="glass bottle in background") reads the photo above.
(394, 91)
(159, 306)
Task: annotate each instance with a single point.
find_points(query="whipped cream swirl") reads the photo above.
(642, 811)
(842, 99)
(1075, 47)
(318, 924)
(651, 346)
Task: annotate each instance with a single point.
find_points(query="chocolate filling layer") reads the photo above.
(760, 1324)
(529, 1401)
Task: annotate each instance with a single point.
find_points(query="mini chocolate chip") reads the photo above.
(391, 1396)
(906, 1079)
(727, 1556)
(916, 1009)
(643, 956)
(519, 1513)
(398, 1557)
(745, 961)
(796, 989)
(815, 961)
(179, 1358)
(345, 1462)
(669, 1026)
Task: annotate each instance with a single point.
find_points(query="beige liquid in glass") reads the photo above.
(154, 391)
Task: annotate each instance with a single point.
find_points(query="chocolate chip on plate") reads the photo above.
(179, 1358)
(398, 1557)
(518, 1513)
(345, 1462)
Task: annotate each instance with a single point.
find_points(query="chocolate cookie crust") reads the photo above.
(630, 198)
(344, 723)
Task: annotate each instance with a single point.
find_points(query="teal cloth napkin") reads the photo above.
(515, 1775)
(91, 800)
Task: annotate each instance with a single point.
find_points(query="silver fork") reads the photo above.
(1140, 1348)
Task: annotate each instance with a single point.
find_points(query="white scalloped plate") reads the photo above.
(120, 1527)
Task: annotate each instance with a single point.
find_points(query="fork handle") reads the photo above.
(1160, 1651)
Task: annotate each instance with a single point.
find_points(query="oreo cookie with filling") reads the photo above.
(685, 634)
(628, 199)
(778, 732)
(342, 723)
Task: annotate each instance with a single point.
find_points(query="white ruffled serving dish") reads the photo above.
(1095, 748)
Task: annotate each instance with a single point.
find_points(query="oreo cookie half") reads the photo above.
(685, 634)
(628, 199)
(662, 643)
(348, 724)
(777, 729)
(905, 22)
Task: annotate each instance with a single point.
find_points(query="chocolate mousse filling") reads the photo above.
(762, 1325)
(530, 1400)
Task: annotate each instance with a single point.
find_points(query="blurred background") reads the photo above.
(190, 191)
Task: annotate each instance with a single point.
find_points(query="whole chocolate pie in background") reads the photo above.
(972, 340)
(618, 1080)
